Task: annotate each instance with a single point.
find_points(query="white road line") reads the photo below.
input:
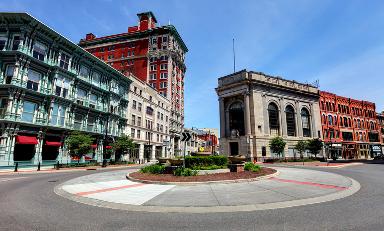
(10, 179)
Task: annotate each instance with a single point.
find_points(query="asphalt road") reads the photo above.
(27, 202)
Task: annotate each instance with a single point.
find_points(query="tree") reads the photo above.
(314, 146)
(277, 145)
(301, 146)
(79, 144)
(123, 144)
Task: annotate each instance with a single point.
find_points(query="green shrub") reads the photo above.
(249, 166)
(154, 169)
(199, 161)
(184, 172)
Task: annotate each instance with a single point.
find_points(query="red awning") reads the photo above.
(26, 140)
(94, 146)
(108, 147)
(53, 143)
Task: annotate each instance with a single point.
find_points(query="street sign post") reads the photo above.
(186, 137)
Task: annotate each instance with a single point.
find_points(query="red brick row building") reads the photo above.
(350, 127)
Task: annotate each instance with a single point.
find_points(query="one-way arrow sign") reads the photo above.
(186, 136)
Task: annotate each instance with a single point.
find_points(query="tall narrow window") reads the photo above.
(64, 61)
(28, 111)
(9, 74)
(291, 121)
(16, 42)
(306, 123)
(236, 119)
(33, 80)
(273, 115)
(39, 51)
(3, 41)
(78, 123)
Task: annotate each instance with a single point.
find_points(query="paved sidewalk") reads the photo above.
(51, 169)
(291, 187)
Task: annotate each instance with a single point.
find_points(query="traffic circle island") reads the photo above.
(291, 187)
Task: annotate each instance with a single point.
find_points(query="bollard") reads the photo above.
(38, 167)
(16, 166)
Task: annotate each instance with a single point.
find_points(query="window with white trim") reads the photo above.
(163, 66)
(58, 114)
(163, 75)
(33, 80)
(84, 72)
(152, 76)
(29, 109)
(153, 68)
(163, 84)
(64, 61)
(62, 86)
(39, 51)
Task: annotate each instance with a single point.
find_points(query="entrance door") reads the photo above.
(24, 152)
(234, 148)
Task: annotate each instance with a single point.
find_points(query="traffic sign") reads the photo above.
(186, 136)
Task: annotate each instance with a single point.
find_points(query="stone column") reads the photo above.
(299, 124)
(10, 148)
(141, 152)
(312, 122)
(38, 157)
(222, 117)
(282, 118)
(247, 114)
(153, 153)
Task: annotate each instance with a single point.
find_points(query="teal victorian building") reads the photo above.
(49, 87)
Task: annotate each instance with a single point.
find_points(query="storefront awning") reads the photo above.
(26, 140)
(94, 146)
(53, 143)
(108, 147)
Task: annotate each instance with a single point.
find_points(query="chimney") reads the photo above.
(89, 36)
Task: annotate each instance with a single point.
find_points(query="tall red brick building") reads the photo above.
(350, 127)
(154, 54)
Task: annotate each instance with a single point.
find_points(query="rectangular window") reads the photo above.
(28, 111)
(138, 134)
(64, 61)
(16, 42)
(152, 76)
(139, 107)
(84, 72)
(163, 66)
(55, 114)
(39, 51)
(163, 85)
(33, 80)
(163, 75)
(149, 110)
(153, 68)
(139, 121)
(78, 122)
(81, 96)
(132, 133)
(96, 78)
(9, 74)
(91, 123)
(165, 39)
(62, 86)
(134, 104)
(93, 100)
(153, 85)
(164, 58)
(3, 41)
(133, 122)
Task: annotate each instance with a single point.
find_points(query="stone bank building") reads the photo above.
(255, 107)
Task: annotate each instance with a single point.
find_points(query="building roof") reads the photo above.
(149, 14)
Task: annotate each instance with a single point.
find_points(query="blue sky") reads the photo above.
(341, 43)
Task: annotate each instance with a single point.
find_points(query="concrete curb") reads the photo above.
(204, 182)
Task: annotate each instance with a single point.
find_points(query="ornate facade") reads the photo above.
(350, 127)
(255, 107)
(49, 87)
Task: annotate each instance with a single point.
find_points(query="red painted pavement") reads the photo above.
(108, 189)
(309, 183)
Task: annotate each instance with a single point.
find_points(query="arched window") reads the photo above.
(291, 120)
(236, 118)
(372, 126)
(330, 120)
(345, 122)
(349, 122)
(273, 115)
(306, 123)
